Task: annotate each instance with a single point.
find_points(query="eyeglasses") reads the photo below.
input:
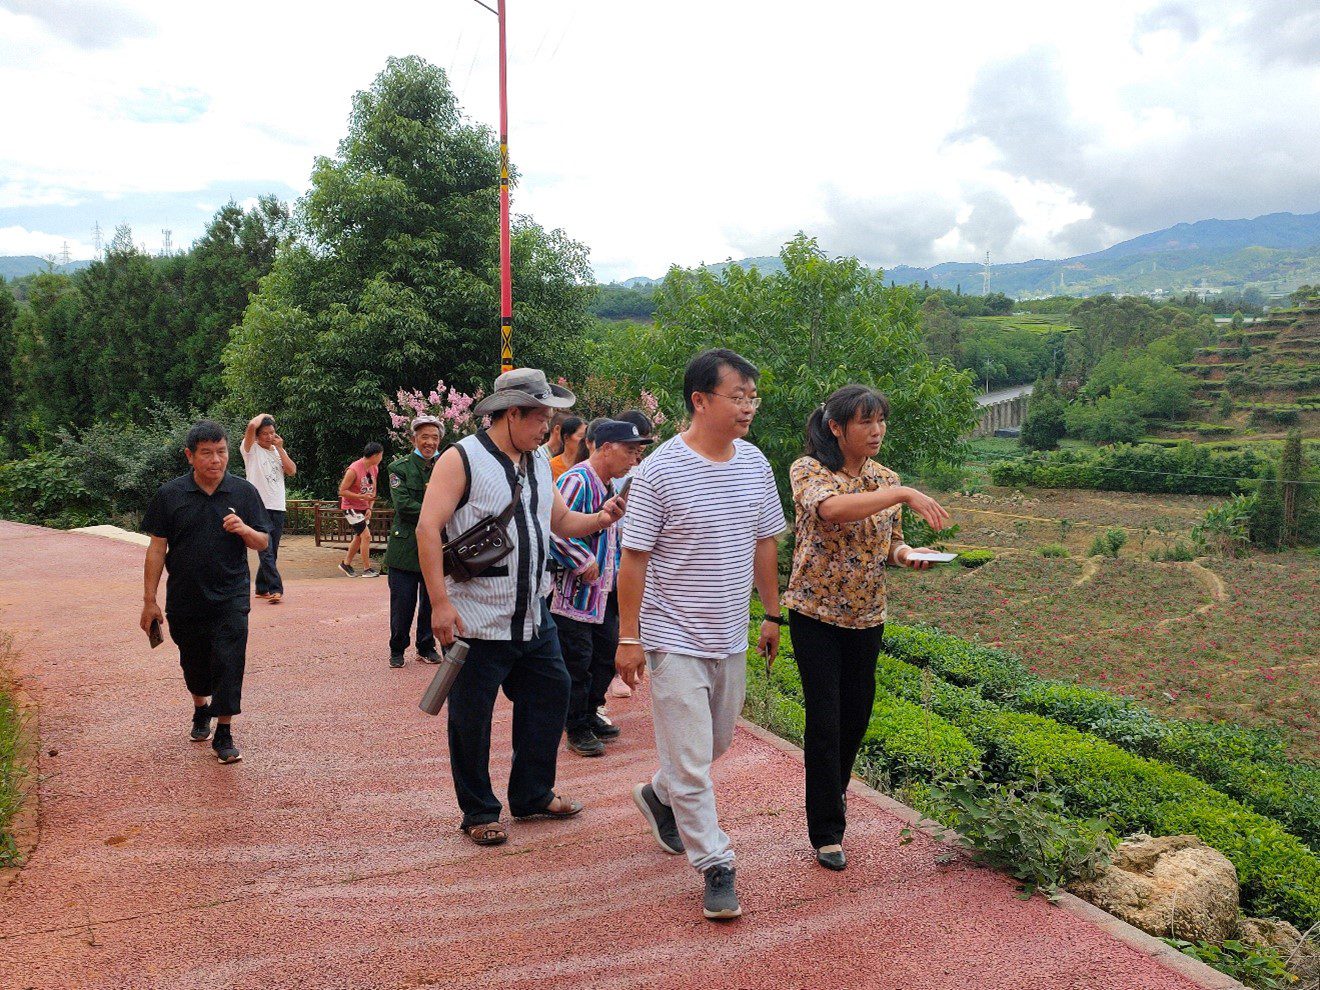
(741, 401)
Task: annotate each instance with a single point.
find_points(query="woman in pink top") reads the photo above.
(357, 492)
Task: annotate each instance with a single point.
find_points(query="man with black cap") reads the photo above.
(584, 605)
(502, 613)
(408, 479)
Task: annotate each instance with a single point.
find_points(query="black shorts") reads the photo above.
(213, 654)
(357, 527)
(360, 525)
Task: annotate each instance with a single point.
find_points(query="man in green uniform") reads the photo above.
(408, 477)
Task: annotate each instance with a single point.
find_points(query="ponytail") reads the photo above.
(841, 407)
(822, 444)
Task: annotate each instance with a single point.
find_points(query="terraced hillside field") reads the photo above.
(1231, 640)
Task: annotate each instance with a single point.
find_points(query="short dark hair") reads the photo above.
(265, 422)
(703, 372)
(841, 407)
(204, 431)
(638, 419)
(372, 449)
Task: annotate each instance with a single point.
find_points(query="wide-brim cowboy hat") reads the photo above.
(524, 387)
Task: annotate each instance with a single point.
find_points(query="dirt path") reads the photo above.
(330, 858)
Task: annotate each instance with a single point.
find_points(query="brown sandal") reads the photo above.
(565, 809)
(487, 834)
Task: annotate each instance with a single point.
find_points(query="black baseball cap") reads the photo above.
(617, 431)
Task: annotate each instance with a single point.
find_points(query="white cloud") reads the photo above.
(697, 131)
(21, 241)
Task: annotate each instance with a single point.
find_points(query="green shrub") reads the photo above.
(975, 558)
(45, 489)
(1024, 832)
(1179, 551)
(1108, 543)
(1052, 550)
(913, 743)
(1261, 968)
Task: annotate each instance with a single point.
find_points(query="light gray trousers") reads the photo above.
(695, 703)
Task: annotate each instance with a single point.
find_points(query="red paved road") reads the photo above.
(329, 857)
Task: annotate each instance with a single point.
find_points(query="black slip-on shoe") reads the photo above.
(396, 660)
(429, 656)
(605, 731)
(835, 859)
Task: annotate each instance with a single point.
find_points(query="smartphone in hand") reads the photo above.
(623, 489)
(154, 635)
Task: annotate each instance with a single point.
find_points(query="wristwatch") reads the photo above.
(778, 620)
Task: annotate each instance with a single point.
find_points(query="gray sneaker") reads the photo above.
(721, 902)
(660, 817)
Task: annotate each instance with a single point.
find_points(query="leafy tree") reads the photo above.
(1114, 418)
(51, 360)
(391, 277)
(1225, 407)
(816, 326)
(943, 331)
(8, 341)
(213, 283)
(1046, 421)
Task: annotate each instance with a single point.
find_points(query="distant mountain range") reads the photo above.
(1273, 253)
(18, 265)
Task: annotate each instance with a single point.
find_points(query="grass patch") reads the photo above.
(13, 766)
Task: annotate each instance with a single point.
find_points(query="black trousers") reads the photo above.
(588, 650)
(533, 677)
(408, 595)
(838, 690)
(213, 653)
(269, 581)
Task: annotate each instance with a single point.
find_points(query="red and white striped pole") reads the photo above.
(506, 268)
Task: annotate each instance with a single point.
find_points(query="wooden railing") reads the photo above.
(331, 528)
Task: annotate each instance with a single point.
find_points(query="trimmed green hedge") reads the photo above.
(1278, 873)
(1189, 468)
(1248, 764)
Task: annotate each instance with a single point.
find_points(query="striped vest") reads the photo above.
(504, 603)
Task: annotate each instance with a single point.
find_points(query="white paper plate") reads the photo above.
(934, 558)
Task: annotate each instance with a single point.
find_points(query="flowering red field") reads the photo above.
(1155, 632)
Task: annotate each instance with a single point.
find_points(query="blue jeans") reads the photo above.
(408, 595)
(268, 577)
(534, 678)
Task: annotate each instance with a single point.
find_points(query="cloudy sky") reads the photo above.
(691, 131)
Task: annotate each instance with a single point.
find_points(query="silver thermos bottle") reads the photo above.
(444, 678)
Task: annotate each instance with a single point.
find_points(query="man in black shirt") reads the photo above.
(201, 527)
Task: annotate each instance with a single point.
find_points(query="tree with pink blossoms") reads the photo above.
(447, 404)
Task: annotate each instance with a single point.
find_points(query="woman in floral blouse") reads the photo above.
(848, 530)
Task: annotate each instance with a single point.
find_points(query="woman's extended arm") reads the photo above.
(851, 508)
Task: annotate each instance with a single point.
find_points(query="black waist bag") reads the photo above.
(484, 544)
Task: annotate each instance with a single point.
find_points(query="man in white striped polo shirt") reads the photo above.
(703, 524)
(502, 613)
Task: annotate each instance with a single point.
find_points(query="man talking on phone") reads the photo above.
(584, 605)
(703, 525)
(201, 527)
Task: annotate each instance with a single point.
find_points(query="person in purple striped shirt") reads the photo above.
(584, 604)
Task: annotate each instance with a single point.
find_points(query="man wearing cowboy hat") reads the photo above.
(501, 613)
(408, 477)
